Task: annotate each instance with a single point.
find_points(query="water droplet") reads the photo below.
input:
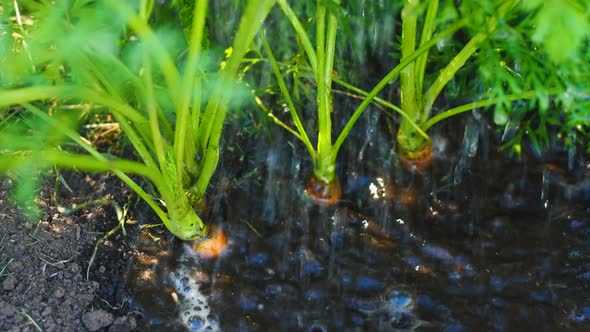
(400, 300)
(455, 327)
(402, 320)
(318, 327)
(437, 252)
(575, 224)
(368, 284)
(212, 319)
(184, 281)
(425, 301)
(258, 259)
(195, 323)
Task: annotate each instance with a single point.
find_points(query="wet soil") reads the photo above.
(481, 241)
(46, 283)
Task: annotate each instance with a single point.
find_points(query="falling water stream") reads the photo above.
(479, 242)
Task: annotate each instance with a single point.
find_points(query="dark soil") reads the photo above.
(44, 260)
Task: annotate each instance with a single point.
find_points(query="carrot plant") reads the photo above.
(324, 186)
(107, 55)
(510, 85)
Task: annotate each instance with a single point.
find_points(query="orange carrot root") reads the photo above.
(416, 161)
(213, 246)
(323, 193)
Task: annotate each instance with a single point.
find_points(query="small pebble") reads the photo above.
(95, 320)
(123, 324)
(16, 267)
(59, 293)
(6, 310)
(47, 311)
(9, 283)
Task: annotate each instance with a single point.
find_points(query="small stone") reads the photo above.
(95, 320)
(47, 311)
(19, 250)
(75, 268)
(10, 282)
(16, 267)
(102, 269)
(123, 324)
(6, 310)
(59, 293)
(85, 297)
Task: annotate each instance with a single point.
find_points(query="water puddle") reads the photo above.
(479, 242)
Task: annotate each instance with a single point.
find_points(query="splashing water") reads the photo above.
(467, 255)
(193, 305)
(470, 143)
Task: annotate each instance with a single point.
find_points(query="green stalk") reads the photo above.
(103, 99)
(184, 127)
(81, 162)
(151, 105)
(479, 104)
(214, 116)
(390, 77)
(181, 220)
(145, 9)
(408, 77)
(407, 137)
(325, 168)
(124, 113)
(251, 21)
(427, 32)
(408, 45)
(459, 60)
(22, 95)
(449, 72)
(384, 103)
(301, 33)
(134, 138)
(163, 58)
(301, 133)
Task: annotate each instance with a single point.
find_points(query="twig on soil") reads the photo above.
(2, 243)
(121, 214)
(150, 225)
(46, 258)
(98, 243)
(67, 211)
(34, 237)
(252, 228)
(5, 266)
(22, 312)
(65, 184)
(47, 262)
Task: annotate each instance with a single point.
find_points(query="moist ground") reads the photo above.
(44, 260)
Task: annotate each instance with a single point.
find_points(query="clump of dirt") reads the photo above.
(44, 261)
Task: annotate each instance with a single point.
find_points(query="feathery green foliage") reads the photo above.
(107, 55)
